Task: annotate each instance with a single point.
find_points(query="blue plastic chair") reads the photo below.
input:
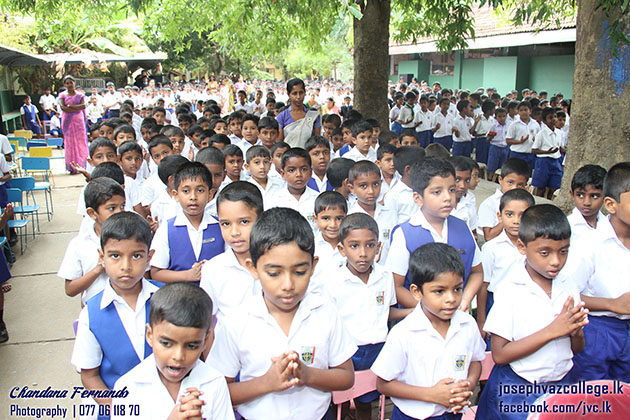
(15, 196)
(28, 185)
(55, 141)
(35, 144)
(38, 164)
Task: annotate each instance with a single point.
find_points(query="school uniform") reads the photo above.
(147, 390)
(580, 229)
(244, 145)
(548, 172)
(355, 155)
(247, 341)
(385, 187)
(393, 115)
(305, 205)
(489, 209)
(30, 116)
(228, 284)
(416, 354)
(273, 173)
(423, 130)
(444, 134)
(517, 130)
(466, 210)
(604, 267)
(273, 185)
(462, 143)
(319, 185)
(330, 258)
(400, 199)
(386, 219)
(479, 141)
(164, 207)
(4, 169)
(521, 308)
(151, 189)
(498, 150)
(406, 114)
(344, 149)
(411, 235)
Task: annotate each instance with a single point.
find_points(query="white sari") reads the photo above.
(296, 133)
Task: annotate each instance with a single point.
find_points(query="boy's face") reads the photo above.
(268, 136)
(444, 106)
(561, 121)
(432, 106)
(146, 134)
(131, 162)
(218, 175)
(510, 216)
(193, 194)
(545, 257)
(103, 154)
(468, 111)
(259, 167)
(205, 125)
(550, 121)
(184, 125)
(387, 164)
(337, 141)
(512, 181)
(204, 142)
(221, 128)
(438, 199)
(106, 131)
(27, 100)
(277, 157)
(123, 137)
(115, 204)
(320, 156)
(409, 141)
(296, 172)
(620, 210)
(474, 179)
(524, 112)
(328, 222)
(160, 117)
(125, 262)
(196, 139)
(424, 104)
(159, 152)
(236, 220)
(363, 141)
(235, 127)
(328, 129)
(250, 131)
(588, 201)
(284, 272)
(462, 182)
(347, 135)
(241, 97)
(176, 349)
(178, 143)
(367, 188)
(441, 297)
(360, 248)
(376, 131)
(500, 117)
(233, 166)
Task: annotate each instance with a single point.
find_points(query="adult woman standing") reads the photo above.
(297, 122)
(73, 123)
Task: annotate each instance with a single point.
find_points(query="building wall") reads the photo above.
(500, 73)
(553, 74)
(472, 73)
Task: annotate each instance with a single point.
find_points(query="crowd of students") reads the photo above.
(305, 258)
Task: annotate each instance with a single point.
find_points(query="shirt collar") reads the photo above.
(310, 302)
(182, 220)
(149, 374)
(419, 321)
(418, 219)
(110, 295)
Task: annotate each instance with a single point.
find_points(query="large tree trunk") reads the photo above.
(600, 114)
(371, 60)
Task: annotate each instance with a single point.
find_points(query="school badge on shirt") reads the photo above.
(386, 233)
(460, 362)
(308, 355)
(380, 298)
(208, 241)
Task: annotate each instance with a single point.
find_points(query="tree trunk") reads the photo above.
(600, 114)
(371, 60)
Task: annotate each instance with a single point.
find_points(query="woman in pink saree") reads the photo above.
(73, 124)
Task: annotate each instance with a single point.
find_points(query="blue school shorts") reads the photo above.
(481, 149)
(606, 354)
(446, 141)
(548, 173)
(399, 415)
(497, 156)
(527, 157)
(397, 127)
(424, 138)
(363, 359)
(462, 148)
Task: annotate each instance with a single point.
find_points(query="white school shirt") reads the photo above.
(321, 183)
(364, 308)
(257, 109)
(605, 266)
(4, 168)
(463, 125)
(446, 124)
(355, 155)
(466, 210)
(329, 258)
(483, 125)
(244, 145)
(248, 340)
(511, 120)
(405, 114)
(499, 139)
(228, 284)
(385, 187)
(273, 185)
(5, 146)
(521, 308)
(425, 119)
(151, 188)
(164, 207)
(81, 257)
(398, 259)
(498, 255)
(109, 99)
(386, 219)
(547, 139)
(580, 228)
(133, 195)
(305, 205)
(400, 199)
(48, 102)
(147, 390)
(416, 354)
(489, 209)
(273, 173)
(517, 130)
(393, 113)
(162, 257)
(87, 352)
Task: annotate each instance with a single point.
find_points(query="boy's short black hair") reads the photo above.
(296, 152)
(362, 167)
(191, 170)
(373, 122)
(517, 194)
(194, 129)
(278, 226)
(423, 172)
(171, 130)
(338, 170)
(512, 105)
(408, 132)
(463, 104)
(220, 138)
(544, 221)
(129, 146)
(500, 110)
(232, 150)
(157, 109)
(183, 305)
(268, 123)
(385, 137)
(100, 190)
(515, 166)
(487, 106)
(330, 200)
(432, 259)
(257, 151)
(407, 156)
(217, 121)
(99, 142)
(185, 117)
(348, 123)
(357, 221)
(315, 141)
(279, 145)
(361, 126)
(385, 148)
(593, 175)
(109, 170)
(437, 150)
(211, 155)
(125, 128)
(460, 163)
(206, 134)
(168, 166)
(526, 104)
(333, 119)
(617, 181)
(250, 117)
(114, 123)
(160, 139)
(546, 112)
(444, 99)
(243, 191)
(126, 225)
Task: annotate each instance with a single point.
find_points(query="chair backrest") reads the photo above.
(14, 146)
(35, 163)
(20, 141)
(14, 195)
(55, 141)
(25, 183)
(364, 382)
(23, 133)
(45, 152)
(36, 143)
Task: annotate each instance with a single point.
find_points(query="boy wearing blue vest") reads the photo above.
(111, 330)
(186, 241)
(433, 184)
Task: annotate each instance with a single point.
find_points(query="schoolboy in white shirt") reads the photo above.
(443, 125)
(520, 135)
(288, 345)
(400, 196)
(423, 122)
(463, 127)
(362, 140)
(258, 165)
(385, 162)
(173, 381)
(587, 187)
(547, 148)
(165, 206)
(430, 363)
(159, 147)
(465, 208)
(319, 150)
(330, 209)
